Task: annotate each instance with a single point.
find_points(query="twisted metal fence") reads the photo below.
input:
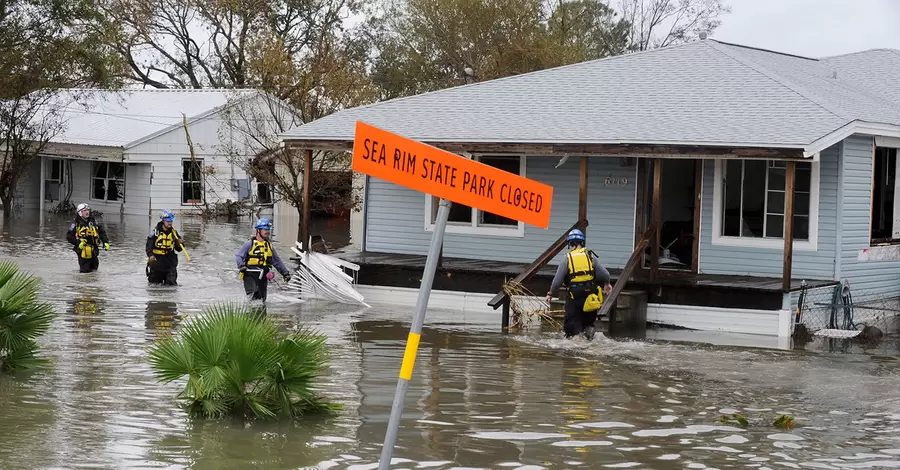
(839, 312)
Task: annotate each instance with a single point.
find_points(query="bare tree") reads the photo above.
(253, 127)
(661, 23)
(212, 43)
(27, 124)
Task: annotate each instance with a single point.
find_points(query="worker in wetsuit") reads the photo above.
(87, 236)
(580, 274)
(255, 260)
(162, 246)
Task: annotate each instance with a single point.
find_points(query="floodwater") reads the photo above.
(478, 398)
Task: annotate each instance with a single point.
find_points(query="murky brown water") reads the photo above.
(478, 398)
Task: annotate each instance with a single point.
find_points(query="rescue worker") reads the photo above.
(162, 245)
(86, 237)
(255, 260)
(580, 274)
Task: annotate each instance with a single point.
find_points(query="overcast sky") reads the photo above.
(812, 28)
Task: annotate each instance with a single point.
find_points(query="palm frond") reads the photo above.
(235, 361)
(23, 318)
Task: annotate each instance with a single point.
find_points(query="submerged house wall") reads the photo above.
(395, 216)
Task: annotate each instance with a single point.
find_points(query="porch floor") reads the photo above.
(387, 263)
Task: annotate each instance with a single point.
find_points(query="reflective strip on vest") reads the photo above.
(260, 254)
(581, 266)
(164, 243)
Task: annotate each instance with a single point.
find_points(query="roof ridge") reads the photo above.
(775, 77)
(771, 51)
(866, 51)
(520, 75)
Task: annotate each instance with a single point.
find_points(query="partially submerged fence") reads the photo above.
(840, 312)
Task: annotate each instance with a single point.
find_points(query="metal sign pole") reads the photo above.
(415, 331)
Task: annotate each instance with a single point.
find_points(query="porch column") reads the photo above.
(43, 190)
(698, 196)
(788, 225)
(657, 216)
(307, 194)
(582, 190)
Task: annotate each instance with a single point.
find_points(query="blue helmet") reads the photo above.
(576, 235)
(263, 224)
(167, 215)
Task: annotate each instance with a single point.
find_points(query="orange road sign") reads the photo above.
(428, 169)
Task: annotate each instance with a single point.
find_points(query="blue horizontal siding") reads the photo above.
(870, 277)
(819, 264)
(395, 217)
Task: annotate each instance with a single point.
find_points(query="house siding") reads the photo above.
(752, 261)
(165, 154)
(395, 216)
(870, 277)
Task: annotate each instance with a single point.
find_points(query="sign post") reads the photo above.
(451, 178)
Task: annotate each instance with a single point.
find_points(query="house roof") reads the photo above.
(124, 118)
(706, 93)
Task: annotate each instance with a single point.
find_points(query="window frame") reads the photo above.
(199, 161)
(759, 242)
(106, 180)
(255, 185)
(889, 148)
(473, 227)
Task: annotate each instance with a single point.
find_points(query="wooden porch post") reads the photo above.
(788, 225)
(307, 194)
(698, 196)
(582, 190)
(657, 216)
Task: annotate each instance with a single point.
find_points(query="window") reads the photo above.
(884, 211)
(465, 219)
(749, 203)
(108, 181)
(53, 180)
(192, 181)
(264, 190)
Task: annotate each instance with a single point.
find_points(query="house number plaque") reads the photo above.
(616, 181)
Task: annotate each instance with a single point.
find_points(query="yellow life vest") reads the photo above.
(87, 233)
(260, 254)
(165, 242)
(581, 266)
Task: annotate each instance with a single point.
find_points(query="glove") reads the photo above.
(242, 268)
(106, 246)
(81, 244)
(287, 277)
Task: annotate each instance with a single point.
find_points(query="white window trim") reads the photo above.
(517, 231)
(107, 178)
(200, 161)
(770, 243)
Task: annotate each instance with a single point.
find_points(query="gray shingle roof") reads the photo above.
(702, 93)
(120, 118)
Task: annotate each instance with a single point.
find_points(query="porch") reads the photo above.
(668, 287)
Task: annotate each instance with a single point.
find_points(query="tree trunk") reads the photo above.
(7, 205)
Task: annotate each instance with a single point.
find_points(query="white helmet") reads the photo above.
(82, 207)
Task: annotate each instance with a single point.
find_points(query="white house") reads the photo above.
(127, 152)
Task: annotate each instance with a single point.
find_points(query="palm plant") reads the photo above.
(22, 319)
(235, 362)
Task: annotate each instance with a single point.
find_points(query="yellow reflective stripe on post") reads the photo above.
(409, 356)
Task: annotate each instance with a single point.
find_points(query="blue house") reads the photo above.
(723, 126)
